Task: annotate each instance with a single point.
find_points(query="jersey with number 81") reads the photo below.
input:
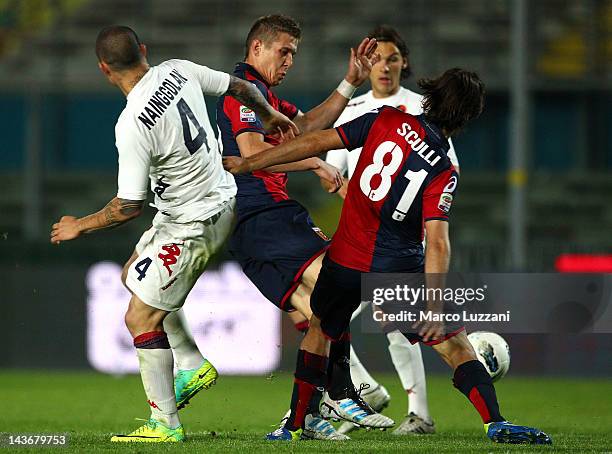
(164, 135)
(403, 178)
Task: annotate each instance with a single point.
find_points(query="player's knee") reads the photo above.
(311, 274)
(300, 300)
(131, 320)
(314, 322)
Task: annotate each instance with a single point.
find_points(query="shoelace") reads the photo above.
(149, 424)
(356, 397)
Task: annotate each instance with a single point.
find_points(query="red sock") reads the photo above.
(473, 380)
(308, 388)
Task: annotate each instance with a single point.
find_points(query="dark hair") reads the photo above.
(452, 99)
(119, 47)
(388, 34)
(267, 28)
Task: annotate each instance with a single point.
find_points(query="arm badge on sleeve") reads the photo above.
(445, 202)
(247, 115)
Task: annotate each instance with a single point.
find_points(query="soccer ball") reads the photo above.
(492, 351)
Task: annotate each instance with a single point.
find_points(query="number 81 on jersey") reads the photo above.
(384, 172)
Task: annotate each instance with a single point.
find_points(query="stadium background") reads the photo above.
(547, 122)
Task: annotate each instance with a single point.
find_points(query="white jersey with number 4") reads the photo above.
(405, 100)
(164, 136)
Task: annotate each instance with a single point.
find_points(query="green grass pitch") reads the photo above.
(236, 413)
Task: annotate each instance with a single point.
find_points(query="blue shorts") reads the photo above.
(274, 246)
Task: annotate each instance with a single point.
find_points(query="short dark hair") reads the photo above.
(453, 99)
(267, 28)
(387, 34)
(119, 47)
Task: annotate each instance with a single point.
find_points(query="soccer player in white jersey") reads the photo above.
(385, 80)
(164, 135)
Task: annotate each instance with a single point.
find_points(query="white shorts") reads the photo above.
(171, 258)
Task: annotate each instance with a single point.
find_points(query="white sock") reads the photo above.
(156, 371)
(408, 363)
(359, 309)
(359, 374)
(186, 352)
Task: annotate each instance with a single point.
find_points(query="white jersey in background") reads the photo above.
(164, 135)
(405, 100)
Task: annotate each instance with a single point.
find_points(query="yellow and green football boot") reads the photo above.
(152, 431)
(188, 383)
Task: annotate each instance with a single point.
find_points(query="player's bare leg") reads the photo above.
(300, 300)
(189, 360)
(311, 273)
(186, 352)
(146, 325)
(472, 379)
(299, 321)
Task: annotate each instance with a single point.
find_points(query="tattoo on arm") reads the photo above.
(247, 94)
(130, 207)
(116, 212)
(109, 215)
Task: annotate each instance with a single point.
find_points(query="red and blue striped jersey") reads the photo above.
(402, 179)
(258, 189)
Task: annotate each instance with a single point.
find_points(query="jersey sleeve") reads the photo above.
(355, 132)
(134, 162)
(212, 82)
(439, 194)
(288, 109)
(339, 159)
(241, 118)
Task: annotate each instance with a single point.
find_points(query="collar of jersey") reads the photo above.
(386, 100)
(437, 132)
(139, 84)
(245, 67)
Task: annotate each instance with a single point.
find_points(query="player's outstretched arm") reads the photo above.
(306, 146)
(325, 114)
(274, 121)
(116, 212)
(252, 143)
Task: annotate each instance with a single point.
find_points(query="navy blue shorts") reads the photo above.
(274, 246)
(337, 295)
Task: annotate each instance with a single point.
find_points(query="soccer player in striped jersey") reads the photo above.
(403, 184)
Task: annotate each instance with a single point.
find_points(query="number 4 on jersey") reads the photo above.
(187, 116)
